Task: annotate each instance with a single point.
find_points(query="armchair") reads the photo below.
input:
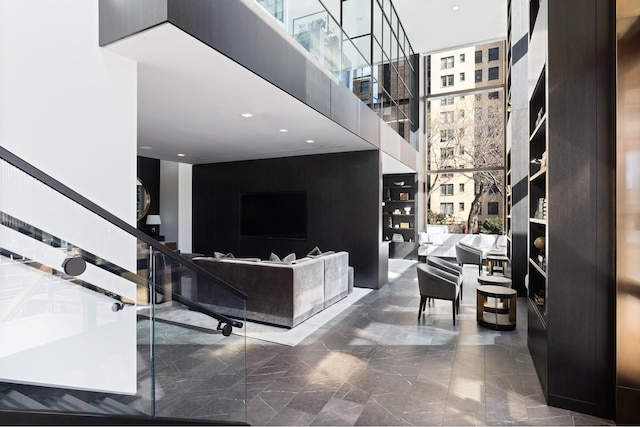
(438, 284)
(449, 267)
(466, 254)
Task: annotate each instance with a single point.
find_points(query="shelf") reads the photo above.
(536, 309)
(400, 229)
(397, 187)
(392, 214)
(538, 267)
(538, 174)
(540, 221)
(399, 201)
(540, 128)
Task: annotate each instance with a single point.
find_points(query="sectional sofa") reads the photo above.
(280, 293)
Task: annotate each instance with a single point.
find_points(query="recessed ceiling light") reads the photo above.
(145, 147)
(309, 141)
(284, 130)
(456, 8)
(247, 115)
(181, 154)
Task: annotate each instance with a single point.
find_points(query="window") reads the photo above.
(446, 117)
(446, 80)
(461, 114)
(492, 208)
(461, 58)
(478, 57)
(478, 97)
(494, 54)
(479, 205)
(364, 86)
(446, 101)
(446, 208)
(478, 76)
(493, 73)
(446, 189)
(443, 135)
(478, 113)
(461, 135)
(461, 77)
(461, 189)
(446, 62)
(461, 207)
(446, 153)
(494, 95)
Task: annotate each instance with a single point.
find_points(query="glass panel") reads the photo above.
(356, 17)
(466, 149)
(78, 317)
(465, 203)
(377, 20)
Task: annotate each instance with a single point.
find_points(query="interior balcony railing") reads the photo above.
(376, 62)
(86, 326)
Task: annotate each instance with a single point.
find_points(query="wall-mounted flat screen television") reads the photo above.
(281, 215)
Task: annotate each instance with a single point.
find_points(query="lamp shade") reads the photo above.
(153, 220)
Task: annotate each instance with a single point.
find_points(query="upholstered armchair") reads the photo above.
(449, 267)
(466, 254)
(438, 284)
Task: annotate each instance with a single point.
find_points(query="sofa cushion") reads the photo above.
(221, 255)
(315, 251)
(286, 260)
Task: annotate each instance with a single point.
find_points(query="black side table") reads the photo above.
(500, 313)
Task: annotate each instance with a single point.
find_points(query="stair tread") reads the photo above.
(24, 401)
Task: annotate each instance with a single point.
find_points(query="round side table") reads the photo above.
(500, 314)
(494, 280)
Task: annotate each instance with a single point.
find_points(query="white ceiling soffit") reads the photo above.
(392, 165)
(190, 101)
(434, 25)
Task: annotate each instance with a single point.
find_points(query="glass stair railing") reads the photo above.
(93, 320)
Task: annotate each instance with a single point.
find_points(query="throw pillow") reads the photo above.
(274, 257)
(221, 255)
(289, 258)
(315, 251)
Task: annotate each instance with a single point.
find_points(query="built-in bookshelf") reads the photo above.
(399, 213)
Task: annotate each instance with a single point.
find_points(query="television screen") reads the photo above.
(273, 215)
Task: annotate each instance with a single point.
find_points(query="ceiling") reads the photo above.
(184, 115)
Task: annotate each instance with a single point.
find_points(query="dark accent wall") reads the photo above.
(343, 207)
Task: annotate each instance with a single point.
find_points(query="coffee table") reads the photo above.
(494, 280)
(500, 313)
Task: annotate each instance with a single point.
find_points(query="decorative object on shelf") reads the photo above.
(541, 210)
(404, 196)
(390, 222)
(397, 238)
(404, 225)
(540, 114)
(397, 212)
(399, 183)
(543, 161)
(407, 210)
(396, 226)
(143, 200)
(388, 194)
(540, 244)
(154, 221)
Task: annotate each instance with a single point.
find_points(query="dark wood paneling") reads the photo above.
(580, 269)
(149, 174)
(342, 206)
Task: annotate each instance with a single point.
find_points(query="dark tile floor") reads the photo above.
(376, 364)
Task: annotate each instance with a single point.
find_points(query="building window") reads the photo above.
(446, 208)
(446, 62)
(492, 208)
(493, 73)
(478, 113)
(494, 95)
(461, 207)
(446, 189)
(461, 114)
(446, 80)
(446, 153)
(461, 77)
(461, 188)
(478, 57)
(461, 135)
(494, 54)
(479, 208)
(446, 117)
(478, 97)
(364, 86)
(462, 58)
(478, 76)
(446, 101)
(443, 135)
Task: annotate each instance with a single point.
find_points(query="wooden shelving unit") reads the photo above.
(399, 214)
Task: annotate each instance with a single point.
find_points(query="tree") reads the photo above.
(466, 133)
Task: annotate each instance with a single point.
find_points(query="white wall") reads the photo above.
(175, 203)
(69, 108)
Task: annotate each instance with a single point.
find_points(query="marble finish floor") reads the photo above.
(376, 364)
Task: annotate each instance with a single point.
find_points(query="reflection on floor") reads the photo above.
(376, 364)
